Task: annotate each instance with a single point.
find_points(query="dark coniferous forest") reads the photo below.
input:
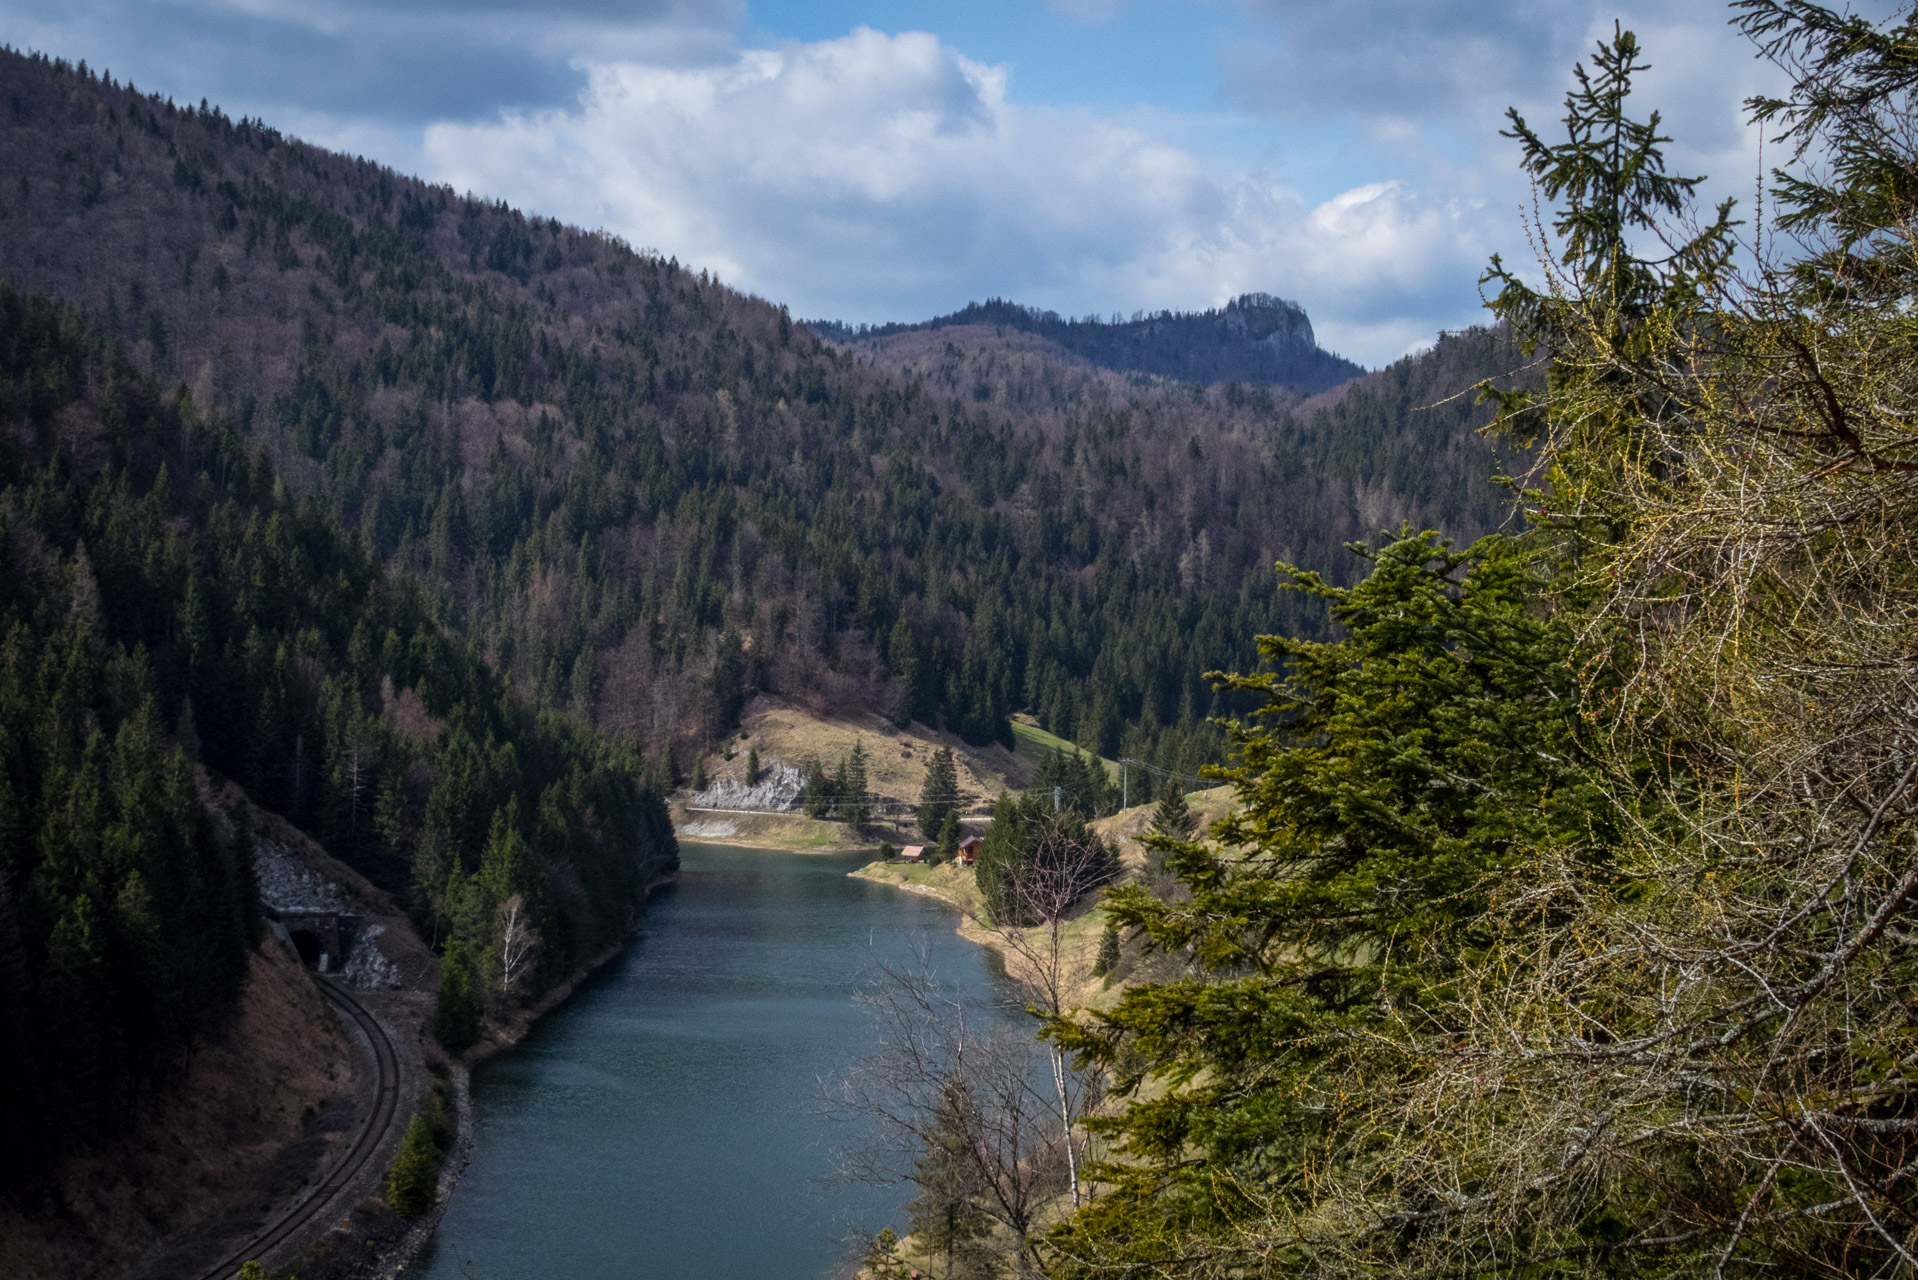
(166, 602)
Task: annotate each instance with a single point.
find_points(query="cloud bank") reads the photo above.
(380, 64)
(1354, 162)
(866, 177)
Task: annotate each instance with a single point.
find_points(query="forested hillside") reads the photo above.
(1399, 445)
(167, 602)
(643, 495)
(1253, 338)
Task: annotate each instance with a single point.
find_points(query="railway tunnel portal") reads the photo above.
(332, 934)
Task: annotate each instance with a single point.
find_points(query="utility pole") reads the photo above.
(1055, 798)
(1125, 784)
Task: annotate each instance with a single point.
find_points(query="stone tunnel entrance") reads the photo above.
(324, 939)
(308, 946)
(329, 927)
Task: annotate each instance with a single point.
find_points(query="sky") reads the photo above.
(874, 160)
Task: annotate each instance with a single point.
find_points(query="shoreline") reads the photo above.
(771, 844)
(782, 831)
(1080, 987)
(968, 926)
(419, 1235)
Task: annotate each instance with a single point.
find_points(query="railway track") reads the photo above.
(349, 1166)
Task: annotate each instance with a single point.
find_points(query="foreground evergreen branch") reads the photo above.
(1707, 1060)
(1567, 927)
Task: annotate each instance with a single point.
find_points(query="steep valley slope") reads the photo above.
(176, 631)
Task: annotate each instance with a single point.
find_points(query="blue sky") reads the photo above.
(1156, 52)
(892, 159)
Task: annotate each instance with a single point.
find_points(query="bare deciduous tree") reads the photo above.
(1046, 886)
(518, 941)
(952, 1074)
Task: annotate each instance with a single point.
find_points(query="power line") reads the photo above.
(1170, 773)
(1128, 763)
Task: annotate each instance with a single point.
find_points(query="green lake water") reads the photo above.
(663, 1123)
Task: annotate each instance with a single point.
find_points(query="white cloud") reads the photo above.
(889, 177)
(1426, 83)
(886, 176)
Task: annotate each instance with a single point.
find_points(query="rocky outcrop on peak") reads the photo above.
(1255, 338)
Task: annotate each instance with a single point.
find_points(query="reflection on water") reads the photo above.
(663, 1123)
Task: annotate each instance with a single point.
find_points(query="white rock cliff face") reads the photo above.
(287, 884)
(367, 968)
(778, 791)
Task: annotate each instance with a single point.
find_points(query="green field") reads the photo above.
(1030, 742)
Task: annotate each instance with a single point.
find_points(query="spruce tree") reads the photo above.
(1030, 845)
(506, 863)
(945, 1216)
(1082, 783)
(818, 796)
(841, 789)
(1172, 818)
(855, 799)
(1108, 957)
(882, 1256)
(939, 795)
(412, 1183)
(456, 1016)
(902, 657)
(1430, 750)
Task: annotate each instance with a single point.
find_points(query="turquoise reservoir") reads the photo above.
(663, 1123)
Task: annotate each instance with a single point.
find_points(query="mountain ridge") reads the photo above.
(1255, 337)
